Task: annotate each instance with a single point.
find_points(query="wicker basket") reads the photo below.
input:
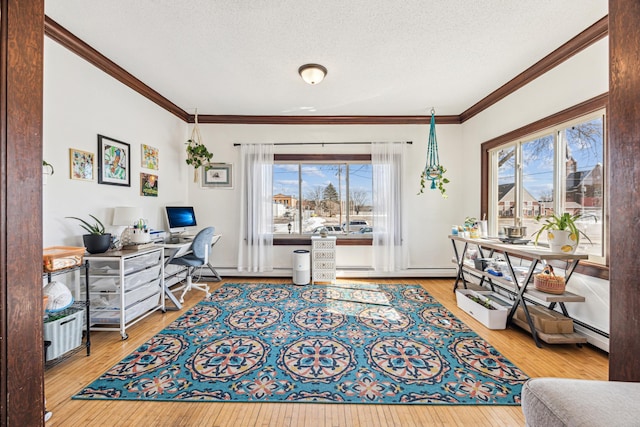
(548, 282)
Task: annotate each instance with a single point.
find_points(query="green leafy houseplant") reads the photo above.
(438, 180)
(96, 241)
(197, 155)
(565, 222)
(97, 228)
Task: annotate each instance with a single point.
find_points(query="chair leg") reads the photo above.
(187, 287)
(215, 273)
(190, 285)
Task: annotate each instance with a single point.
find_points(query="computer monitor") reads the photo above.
(180, 218)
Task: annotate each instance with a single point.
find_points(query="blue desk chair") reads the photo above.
(197, 256)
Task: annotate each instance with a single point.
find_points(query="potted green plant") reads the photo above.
(197, 153)
(563, 234)
(96, 241)
(436, 175)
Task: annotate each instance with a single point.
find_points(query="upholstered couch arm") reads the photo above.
(551, 402)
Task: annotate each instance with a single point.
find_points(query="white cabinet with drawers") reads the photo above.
(124, 287)
(323, 259)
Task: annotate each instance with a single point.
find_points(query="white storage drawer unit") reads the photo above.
(125, 286)
(323, 259)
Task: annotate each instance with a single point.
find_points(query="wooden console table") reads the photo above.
(536, 255)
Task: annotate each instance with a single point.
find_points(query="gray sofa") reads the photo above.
(551, 402)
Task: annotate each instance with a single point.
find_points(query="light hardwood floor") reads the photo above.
(68, 377)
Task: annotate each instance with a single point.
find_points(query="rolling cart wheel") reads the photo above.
(124, 336)
(164, 310)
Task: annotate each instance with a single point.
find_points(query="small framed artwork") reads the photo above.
(81, 165)
(217, 175)
(149, 157)
(114, 163)
(148, 184)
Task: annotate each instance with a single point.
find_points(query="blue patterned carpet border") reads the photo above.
(347, 343)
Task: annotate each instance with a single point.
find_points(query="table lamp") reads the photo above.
(129, 217)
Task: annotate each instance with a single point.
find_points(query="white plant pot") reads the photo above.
(492, 319)
(562, 241)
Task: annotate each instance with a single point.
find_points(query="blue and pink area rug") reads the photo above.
(347, 343)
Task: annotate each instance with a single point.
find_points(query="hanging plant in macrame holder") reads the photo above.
(197, 153)
(433, 170)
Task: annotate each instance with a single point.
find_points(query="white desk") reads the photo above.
(176, 250)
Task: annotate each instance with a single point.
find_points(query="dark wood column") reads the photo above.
(21, 343)
(624, 154)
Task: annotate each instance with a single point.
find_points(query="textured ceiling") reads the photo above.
(383, 57)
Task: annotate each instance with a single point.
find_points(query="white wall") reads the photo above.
(429, 215)
(81, 102)
(580, 78)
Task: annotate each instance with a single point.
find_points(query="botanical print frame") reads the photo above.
(148, 184)
(150, 157)
(217, 175)
(82, 165)
(114, 162)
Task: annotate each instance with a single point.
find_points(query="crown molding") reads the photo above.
(323, 120)
(578, 43)
(58, 33)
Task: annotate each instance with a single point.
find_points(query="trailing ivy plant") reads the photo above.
(197, 153)
(439, 180)
(197, 156)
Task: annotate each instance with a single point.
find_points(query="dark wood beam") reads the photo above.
(624, 201)
(21, 326)
(580, 42)
(63, 36)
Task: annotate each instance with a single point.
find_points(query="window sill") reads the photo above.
(342, 240)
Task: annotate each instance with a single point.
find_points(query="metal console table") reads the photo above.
(536, 255)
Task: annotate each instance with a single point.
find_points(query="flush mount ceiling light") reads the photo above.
(312, 73)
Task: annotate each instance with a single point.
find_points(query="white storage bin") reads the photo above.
(141, 262)
(143, 276)
(492, 319)
(64, 333)
(142, 307)
(141, 292)
(111, 300)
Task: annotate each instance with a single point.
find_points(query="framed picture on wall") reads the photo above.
(149, 157)
(114, 163)
(81, 165)
(217, 175)
(148, 184)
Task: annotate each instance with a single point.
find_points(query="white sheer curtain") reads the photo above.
(255, 253)
(390, 247)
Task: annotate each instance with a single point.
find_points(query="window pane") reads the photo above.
(361, 199)
(537, 180)
(322, 188)
(285, 198)
(506, 186)
(584, 187)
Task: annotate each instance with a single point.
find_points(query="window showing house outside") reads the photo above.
(557, 171)
(312, 197)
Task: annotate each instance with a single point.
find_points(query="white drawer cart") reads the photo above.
(323, 259)
(125, 287)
